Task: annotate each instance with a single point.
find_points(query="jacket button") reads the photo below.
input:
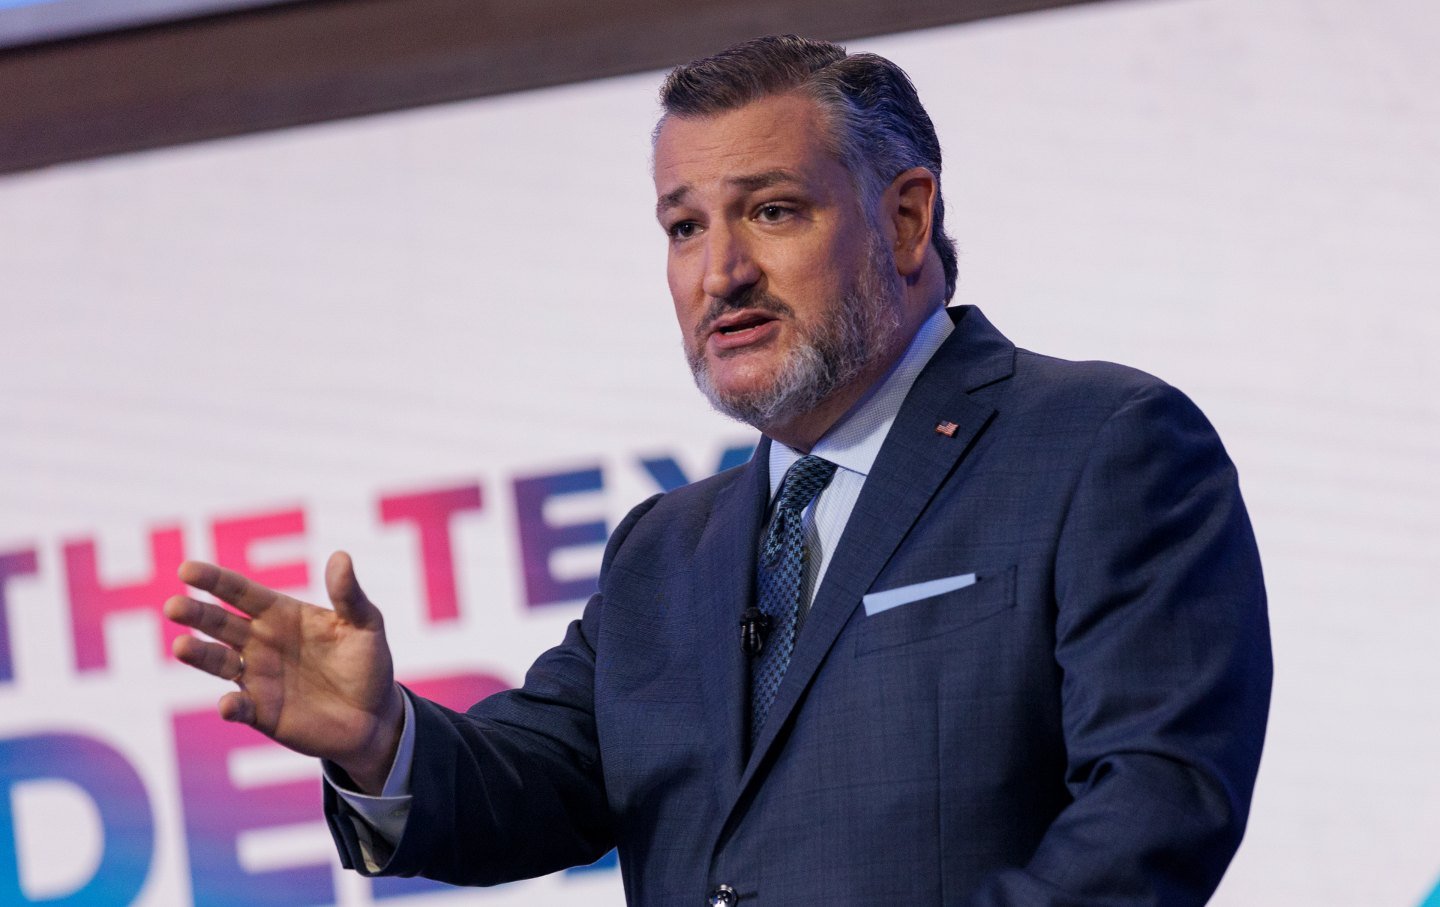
(723, 896)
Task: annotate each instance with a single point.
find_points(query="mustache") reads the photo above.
(748, 298)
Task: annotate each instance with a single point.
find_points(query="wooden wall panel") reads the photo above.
(328, 59)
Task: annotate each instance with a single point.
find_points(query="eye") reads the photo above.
(683, 229)
(772, 213)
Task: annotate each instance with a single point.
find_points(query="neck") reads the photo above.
(804, 431)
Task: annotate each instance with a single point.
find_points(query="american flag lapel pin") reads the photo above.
(947, 429)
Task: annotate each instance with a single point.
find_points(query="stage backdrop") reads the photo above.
(442, 340)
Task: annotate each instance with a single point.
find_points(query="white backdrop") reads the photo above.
(242, 349)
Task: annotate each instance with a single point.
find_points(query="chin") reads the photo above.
(763, 397)
(745, 375)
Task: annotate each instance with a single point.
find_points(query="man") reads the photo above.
(973, 626)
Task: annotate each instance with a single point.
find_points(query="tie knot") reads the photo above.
(803, 481)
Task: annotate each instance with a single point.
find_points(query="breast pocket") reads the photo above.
(992, 592)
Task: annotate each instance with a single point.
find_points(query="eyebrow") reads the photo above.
(752, 182)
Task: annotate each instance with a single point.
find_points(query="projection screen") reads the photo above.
(441, 340)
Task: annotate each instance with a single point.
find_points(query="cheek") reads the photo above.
(808, 274)
(678, 299)
(677, 275)
(683, 295)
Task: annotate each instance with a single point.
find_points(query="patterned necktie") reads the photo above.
(779, 578)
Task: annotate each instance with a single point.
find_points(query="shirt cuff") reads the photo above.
(387, 813)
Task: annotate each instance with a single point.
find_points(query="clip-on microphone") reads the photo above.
(754, 627)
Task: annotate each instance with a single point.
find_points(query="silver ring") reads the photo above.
(240, 673)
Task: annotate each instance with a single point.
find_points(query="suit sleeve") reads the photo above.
(512, 788)
(1163, 643)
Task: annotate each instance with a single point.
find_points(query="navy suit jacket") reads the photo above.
(1082, 725)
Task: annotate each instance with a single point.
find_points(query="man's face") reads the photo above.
(784, 292)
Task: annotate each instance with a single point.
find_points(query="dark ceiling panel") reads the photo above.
(328, 59)
(33, 21)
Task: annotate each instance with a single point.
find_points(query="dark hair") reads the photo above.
(878, 127)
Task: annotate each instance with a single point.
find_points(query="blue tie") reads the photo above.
(779, 579)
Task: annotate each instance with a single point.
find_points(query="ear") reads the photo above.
(908, 205)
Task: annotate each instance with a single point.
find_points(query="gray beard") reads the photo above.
(858, 330)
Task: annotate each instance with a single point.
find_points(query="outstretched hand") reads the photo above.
(316, 680)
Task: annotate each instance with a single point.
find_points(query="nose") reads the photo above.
(729, 265)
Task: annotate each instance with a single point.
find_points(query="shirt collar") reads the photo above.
(854, 442)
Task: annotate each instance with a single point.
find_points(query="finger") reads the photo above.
(212, 620)
(210, 657)
(228, 586)
(346, 595)
(237, 707)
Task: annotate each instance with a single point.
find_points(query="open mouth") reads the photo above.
(740, 322)
(745, 325)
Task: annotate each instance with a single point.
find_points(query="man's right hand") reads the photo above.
(318, 681)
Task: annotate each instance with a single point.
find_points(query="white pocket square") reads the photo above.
(876, 602)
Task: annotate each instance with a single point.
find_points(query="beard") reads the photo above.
(854, 333)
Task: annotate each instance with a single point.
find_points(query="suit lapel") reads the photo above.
(723, 588)
(913, 463)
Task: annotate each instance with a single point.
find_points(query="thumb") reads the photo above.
(349, 599)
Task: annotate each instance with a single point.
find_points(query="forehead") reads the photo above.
(778, 133)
